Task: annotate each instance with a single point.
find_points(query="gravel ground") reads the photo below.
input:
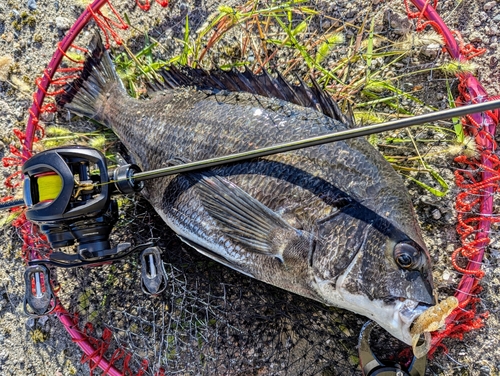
(29, 31)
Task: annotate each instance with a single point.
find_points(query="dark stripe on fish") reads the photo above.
(327, 192)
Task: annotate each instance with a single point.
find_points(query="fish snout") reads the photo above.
(422, 288)
(409, 314)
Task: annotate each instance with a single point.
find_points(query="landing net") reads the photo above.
(211, 320)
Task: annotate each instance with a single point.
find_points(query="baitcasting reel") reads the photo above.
(67, 192)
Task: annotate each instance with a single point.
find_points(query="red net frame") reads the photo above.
(478, 181)
(476, 195)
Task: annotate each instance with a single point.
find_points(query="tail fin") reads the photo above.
(85, 94)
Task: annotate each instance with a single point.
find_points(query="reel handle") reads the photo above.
(372, 366)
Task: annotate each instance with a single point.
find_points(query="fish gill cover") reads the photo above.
(212, 320)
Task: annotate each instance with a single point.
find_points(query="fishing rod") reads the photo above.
(139, 176)
(319, 140)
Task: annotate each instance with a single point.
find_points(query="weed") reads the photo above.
(24, 19)
(72, 370)
(6, 63)
(29, 21)
(14, 68)
(37, 335)
(455, 67)
(75, 56)
(22, 84)
(7, 218)
(16, 25)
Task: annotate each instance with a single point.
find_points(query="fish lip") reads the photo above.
(409, 312)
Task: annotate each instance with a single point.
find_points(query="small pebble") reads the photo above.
(436, 214)
(42, 320)
(30, 323)
(475, 37)
(326, 24)
(47, 117)
(483, 16)
(399, 23)
(489, 5)
(431, 50)
(62, 23)
(484, 371)
(497, 18)
(32, 4)
(491, 30)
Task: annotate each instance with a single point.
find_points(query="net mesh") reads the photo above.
(209, 320)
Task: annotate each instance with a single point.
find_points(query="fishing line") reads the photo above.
(49, 186)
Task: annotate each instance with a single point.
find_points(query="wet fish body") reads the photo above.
(332, 222)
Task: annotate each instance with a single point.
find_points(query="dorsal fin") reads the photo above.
(263, 84)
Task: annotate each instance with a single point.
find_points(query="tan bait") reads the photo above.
(430, 321)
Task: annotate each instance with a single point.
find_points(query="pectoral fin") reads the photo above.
(250, 223)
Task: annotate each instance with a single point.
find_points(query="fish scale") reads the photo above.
(331, 222)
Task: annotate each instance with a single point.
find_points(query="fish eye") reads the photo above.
(406, 256)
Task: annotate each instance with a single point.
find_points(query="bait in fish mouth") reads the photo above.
(331, 222)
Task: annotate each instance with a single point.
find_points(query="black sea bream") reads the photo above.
(332, 223)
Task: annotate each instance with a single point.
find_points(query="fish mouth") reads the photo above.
(407, 314)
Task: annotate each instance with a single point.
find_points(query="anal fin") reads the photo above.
(214, 255)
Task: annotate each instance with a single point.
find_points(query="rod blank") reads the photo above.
(318, 140)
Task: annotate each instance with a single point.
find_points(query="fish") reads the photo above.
(332, 222)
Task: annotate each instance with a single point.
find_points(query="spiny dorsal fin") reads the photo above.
(263, 84)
